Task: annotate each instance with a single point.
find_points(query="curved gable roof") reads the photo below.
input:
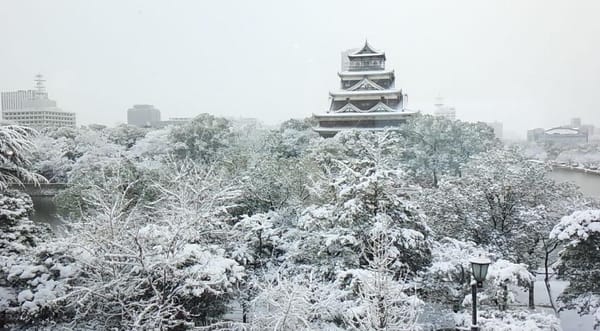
(562, 130)
(367, 50)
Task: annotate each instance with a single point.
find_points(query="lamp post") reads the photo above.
(479, 269)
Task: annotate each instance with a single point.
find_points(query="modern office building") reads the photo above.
(367, 99)
(34, 109)
(143, 116)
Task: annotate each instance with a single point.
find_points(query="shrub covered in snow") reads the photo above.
(33, 274)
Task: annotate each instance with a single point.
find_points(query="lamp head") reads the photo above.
(479, 269)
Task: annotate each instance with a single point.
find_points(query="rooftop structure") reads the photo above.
(34, 109)
(367, 98)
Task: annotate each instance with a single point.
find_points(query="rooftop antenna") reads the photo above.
(39, 85)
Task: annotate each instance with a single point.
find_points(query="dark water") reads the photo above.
(589, 184)
(45, 211)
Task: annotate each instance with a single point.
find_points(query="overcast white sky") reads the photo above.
(527, 63)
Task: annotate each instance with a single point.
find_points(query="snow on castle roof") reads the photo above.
(367, 50)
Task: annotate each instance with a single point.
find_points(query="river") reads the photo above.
(45, 211)
(588, 183)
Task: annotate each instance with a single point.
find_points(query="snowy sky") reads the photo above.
(527, 63)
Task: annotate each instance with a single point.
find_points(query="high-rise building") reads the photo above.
(34, 109)
(443, 110)
(143, 116)
(367, 100)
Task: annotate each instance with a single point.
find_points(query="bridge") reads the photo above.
(42, 190)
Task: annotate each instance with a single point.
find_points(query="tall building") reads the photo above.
(143, 116)
(367, 98)
(443, 110)
(34, 109)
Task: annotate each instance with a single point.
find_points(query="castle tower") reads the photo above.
(367, 99)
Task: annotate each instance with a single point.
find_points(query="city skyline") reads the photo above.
(498, 61)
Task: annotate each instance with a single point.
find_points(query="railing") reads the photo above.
(41, 190)
(364, 67)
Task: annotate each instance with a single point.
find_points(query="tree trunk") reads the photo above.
(244, 312)
(504, 304)
(532, 295)
(547, 277)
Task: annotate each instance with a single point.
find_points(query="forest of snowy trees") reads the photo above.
(229, 225)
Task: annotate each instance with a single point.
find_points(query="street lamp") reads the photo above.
(479, 269)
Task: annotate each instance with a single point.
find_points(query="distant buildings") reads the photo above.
(143, 116)
(442, 110)
(367, 100)
(574, 133)
(34, 109)
(498, 129)
(173, 121)
(148, 116)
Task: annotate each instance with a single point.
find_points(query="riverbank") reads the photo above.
(595, 172)
(589, 183)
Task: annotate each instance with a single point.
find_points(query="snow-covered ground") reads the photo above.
(570, 320)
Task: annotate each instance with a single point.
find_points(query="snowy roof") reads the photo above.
(365, 84)
(367, 50)
(380, 107)
(563, 131)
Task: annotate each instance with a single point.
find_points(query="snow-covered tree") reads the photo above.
(15, 149)
(202, 138)
(436, 146)
(376, 296)
(498, 201)
(153, 265)
(448, 279)
(294, 303)
(579, 261)
(126, 135)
